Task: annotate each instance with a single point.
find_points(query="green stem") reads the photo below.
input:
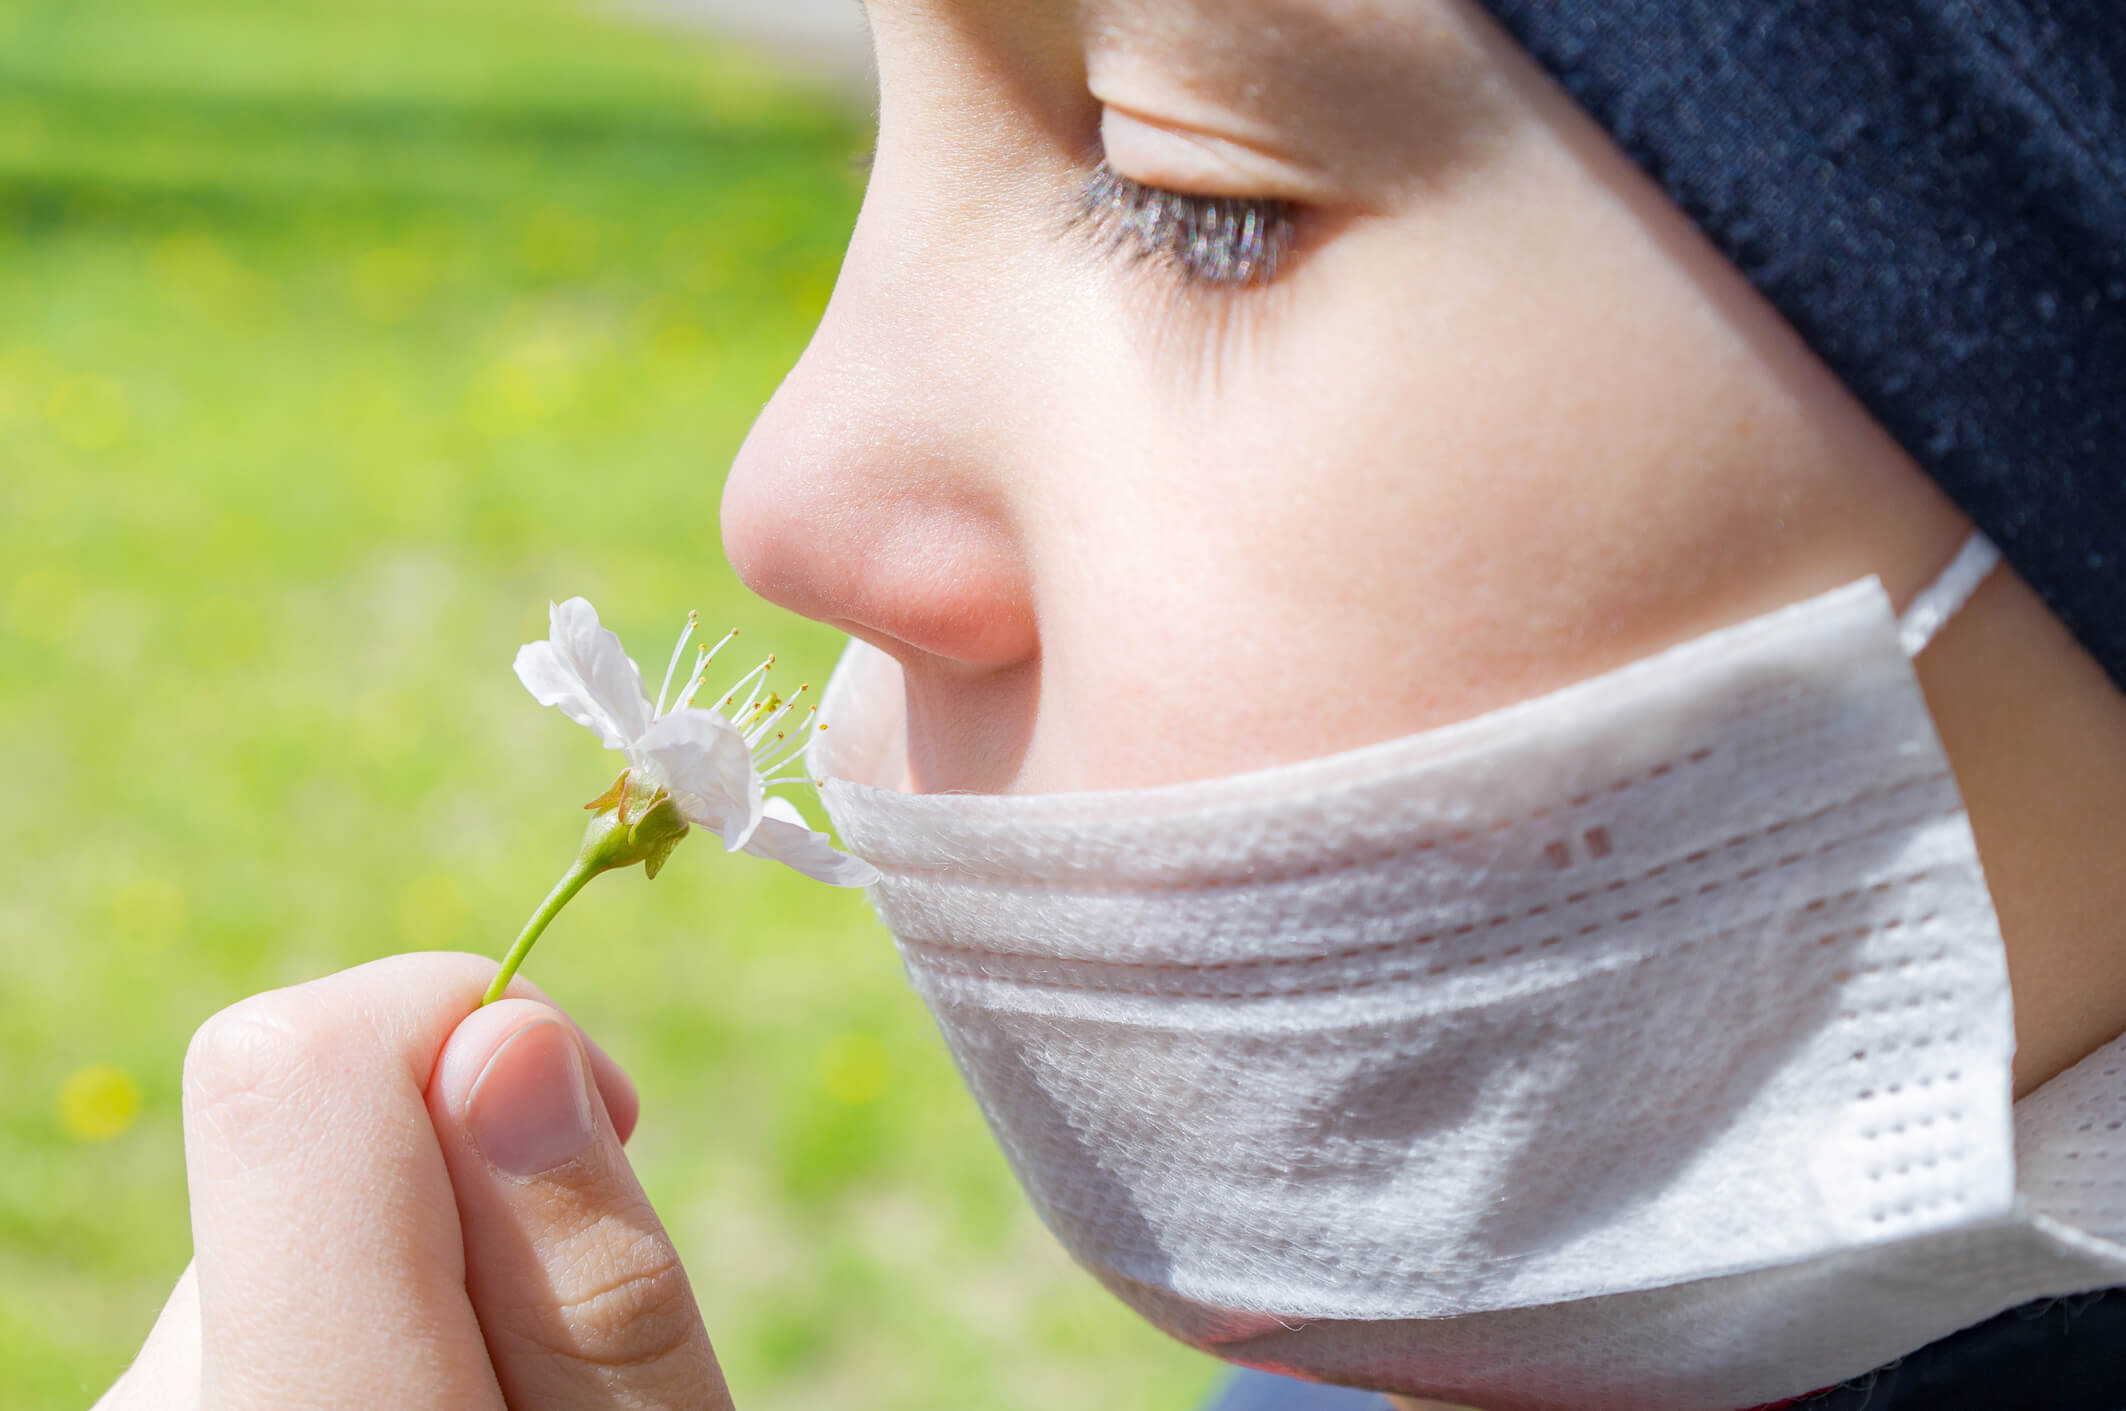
(579, 872)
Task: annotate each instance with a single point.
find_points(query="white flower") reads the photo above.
(717, 770)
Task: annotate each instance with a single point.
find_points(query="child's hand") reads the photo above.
(395, 1205)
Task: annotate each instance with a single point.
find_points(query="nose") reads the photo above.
(871, 493)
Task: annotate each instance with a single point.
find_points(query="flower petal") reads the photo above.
(703, 760)
(582, 668)
(783, 837)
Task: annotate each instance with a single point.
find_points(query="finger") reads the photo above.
(574, 1280)
(622, 1102)
(165, 1376)
(326, 1238)
(615, 1088)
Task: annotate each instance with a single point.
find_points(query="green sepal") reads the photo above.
(657, 832)
(612, 840)
(614, 793)
(637, 824)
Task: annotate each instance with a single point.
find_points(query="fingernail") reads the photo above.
(530, 1108)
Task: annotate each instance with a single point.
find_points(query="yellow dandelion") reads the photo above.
(98, 1102)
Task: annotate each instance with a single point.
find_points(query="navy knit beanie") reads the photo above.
(1933, 193)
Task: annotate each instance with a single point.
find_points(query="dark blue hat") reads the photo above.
(1933, 192)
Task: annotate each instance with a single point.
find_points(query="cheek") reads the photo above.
(1521, 431)
(1524, 434)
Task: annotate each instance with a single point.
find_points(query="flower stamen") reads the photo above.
(770, 712)
(693, 621)
(770, 768)
(701, 666)
(758, 676)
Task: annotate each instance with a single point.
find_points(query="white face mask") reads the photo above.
(1645, 1045)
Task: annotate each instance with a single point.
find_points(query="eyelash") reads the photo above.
(1222, 240)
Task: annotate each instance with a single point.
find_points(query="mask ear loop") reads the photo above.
(1939, 601)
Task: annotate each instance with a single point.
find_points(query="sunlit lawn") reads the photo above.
(334, 340)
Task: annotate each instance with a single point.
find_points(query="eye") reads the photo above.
(1227, 240)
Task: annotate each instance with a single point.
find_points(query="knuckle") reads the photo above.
(255, 1052)
(629, 1308)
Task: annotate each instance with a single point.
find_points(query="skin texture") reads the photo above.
(355, 1243)
(1503, 421)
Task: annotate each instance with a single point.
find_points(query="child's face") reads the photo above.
(1500, 420)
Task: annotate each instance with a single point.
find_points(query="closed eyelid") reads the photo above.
(1354, 106)
(1210, 240)
(1187, 158)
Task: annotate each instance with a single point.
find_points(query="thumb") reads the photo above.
(578, 1290)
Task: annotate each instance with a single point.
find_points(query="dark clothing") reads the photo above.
(2058, 1354)
(1933, 193)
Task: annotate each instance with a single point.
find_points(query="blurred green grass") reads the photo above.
(334, 341)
